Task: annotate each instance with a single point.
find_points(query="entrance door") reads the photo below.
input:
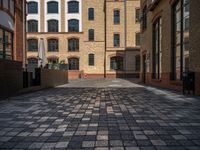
(144, 68)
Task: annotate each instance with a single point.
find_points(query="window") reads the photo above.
(116, 63)
(52, 25)
(137, 39)
(6, 44)
(32, 26)
(73, 63)
(116, 16)
(157, 49)
(73, 44)
(144, 18)
(91, 59)
(91, 34)
(73, 25)
(52, 7)
(73, 7)
(53, 45)
(91, 14)
(116, 40)
(180, 53)
(137, 15)
(137, 63)
(32, 61)
(33, 45)
(32, 7)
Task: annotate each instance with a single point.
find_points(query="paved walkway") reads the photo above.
(130, 118)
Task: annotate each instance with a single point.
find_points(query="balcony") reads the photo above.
(152, 4)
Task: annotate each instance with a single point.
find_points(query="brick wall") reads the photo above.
(11, 77)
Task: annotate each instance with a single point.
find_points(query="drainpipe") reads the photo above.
(125, 32)
(105, 38)
(24, 33)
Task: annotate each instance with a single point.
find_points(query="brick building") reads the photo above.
(12, 30)
(169, 42)
(94, 37)
(12, 45)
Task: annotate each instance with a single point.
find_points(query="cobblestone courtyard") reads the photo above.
(116, 115)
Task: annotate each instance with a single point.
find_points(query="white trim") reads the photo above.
(52, 16)
(77, 16)
(34, 16)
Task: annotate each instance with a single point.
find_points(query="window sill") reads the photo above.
(73, 51)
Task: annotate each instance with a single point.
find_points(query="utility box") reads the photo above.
(188, 82)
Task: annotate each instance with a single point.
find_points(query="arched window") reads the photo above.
(73, 25)
(91, 14)
(91, 59)
(73, 7)
(32, 45)
(53, 45)
(116, 16)
(52, 7)
(33, 61)
(91, 34)
(116, 63)
(73, 44)
(32, 7)
(52, 25)
(73, 63)
(32, 26)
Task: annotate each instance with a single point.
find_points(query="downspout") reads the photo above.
(125, 32)
(24, 33)
(105, 38)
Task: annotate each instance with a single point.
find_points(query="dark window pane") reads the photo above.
(33, 45)
(73, 44)
(137, 15)
(52, 7)
(157, 49)
(116, 16)
(73, 63)
(137, 63)
(53, 45)
(6, 44)
(137, 38)
(53, 26)
(73, 7)
(180, 55)
(33, 61)
(91, 59)
(32, 26)
(116, 63)
(144, 18)
(73, 25)
(91, 34)
(32, 7)
(91, 14)
(116, 40)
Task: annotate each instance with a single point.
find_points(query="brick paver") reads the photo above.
(134, 118)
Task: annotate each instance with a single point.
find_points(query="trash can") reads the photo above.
(188, 82)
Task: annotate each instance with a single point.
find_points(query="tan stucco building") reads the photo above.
(169, 42)
(96, 38)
